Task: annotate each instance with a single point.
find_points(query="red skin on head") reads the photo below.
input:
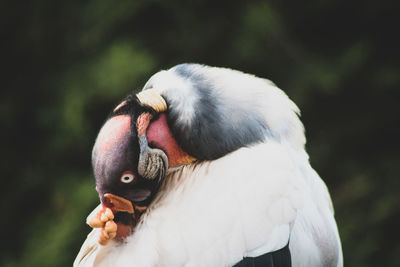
(113, 132)
(159, 134)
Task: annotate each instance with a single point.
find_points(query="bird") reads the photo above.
(207, 166)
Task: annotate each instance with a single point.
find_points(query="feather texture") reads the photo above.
(213, 111)
(214, 213)
(254, 192)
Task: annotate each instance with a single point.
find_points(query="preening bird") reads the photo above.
(207, 167)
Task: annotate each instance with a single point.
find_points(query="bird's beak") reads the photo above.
(117, 203)
(120, 204)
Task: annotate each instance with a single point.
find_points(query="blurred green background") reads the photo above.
(66, 64)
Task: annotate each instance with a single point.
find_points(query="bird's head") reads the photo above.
(131, 155)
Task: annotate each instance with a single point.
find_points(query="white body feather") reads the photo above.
(214, 213)
(247, 203)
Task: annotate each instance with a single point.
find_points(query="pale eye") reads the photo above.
(127, 177)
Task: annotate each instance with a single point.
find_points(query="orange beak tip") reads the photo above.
(117, 203)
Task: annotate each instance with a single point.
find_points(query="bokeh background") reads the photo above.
(66, 64)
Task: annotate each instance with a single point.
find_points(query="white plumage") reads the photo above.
(249, 202)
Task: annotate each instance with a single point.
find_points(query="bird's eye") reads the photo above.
(127, 177)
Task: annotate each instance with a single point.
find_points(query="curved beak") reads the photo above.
(120, 204)
(117, 203)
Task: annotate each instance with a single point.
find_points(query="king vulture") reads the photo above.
(206, 166)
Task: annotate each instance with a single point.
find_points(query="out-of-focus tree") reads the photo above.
(66, 64)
